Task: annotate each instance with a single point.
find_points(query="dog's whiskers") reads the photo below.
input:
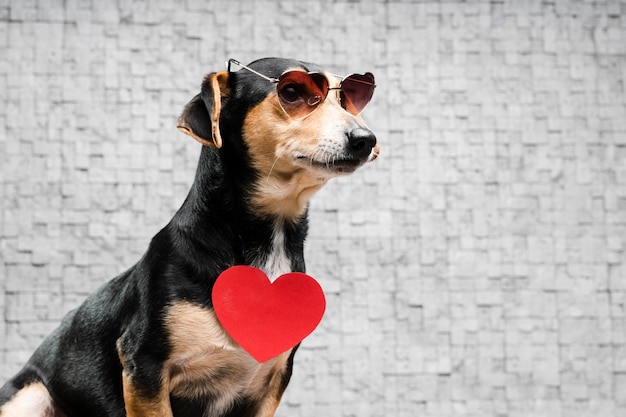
(269, 174)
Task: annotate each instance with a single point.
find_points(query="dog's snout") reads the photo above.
(361, 141)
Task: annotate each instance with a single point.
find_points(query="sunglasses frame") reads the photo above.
(277, 80)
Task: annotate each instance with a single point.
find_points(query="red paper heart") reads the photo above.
(266, 318)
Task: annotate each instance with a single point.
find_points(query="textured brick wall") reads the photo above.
(478, 268)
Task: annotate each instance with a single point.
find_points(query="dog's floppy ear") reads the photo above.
(201, 117)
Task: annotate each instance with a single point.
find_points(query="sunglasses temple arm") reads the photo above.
(239, 64)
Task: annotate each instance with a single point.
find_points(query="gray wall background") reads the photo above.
(477, 268)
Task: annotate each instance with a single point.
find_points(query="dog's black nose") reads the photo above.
(360, 142)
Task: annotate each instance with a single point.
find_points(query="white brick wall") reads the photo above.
(478, 268)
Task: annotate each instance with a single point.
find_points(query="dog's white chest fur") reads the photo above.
(277, 262)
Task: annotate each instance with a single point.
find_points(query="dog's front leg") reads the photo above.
(144, 384)
(139, 403)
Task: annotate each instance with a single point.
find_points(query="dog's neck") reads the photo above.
(275, 196)
(217, 220)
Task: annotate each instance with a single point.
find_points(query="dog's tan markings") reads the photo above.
(206, 361)
(274, 140)
(31, 401)
(269, 386)
(137, 405)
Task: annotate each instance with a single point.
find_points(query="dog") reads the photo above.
(148, 343)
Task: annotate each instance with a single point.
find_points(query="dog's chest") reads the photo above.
(206, 363)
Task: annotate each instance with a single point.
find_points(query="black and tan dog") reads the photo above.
(147, 343)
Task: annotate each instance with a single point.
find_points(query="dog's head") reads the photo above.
(299, 126)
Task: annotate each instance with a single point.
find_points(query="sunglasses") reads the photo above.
(300, 93)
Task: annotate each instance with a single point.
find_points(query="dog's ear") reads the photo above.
(201, 117)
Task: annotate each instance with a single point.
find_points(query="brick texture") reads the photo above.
(477, 269)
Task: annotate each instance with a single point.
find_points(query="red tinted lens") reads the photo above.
(300, 93)
(356, 91)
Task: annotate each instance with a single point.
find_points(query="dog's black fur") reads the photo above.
(116, 355)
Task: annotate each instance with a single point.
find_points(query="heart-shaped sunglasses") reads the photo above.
(300, 93)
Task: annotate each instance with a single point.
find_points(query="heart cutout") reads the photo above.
(267, 318)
